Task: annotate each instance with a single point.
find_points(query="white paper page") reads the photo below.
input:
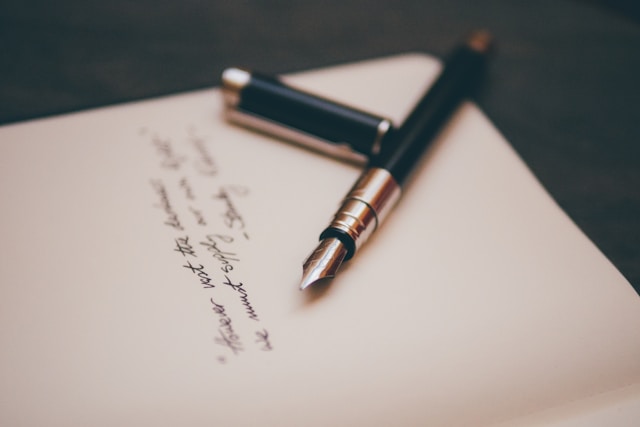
(152, 255)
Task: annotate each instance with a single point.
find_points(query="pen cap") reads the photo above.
(266, 103)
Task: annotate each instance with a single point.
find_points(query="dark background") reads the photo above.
(564, 86)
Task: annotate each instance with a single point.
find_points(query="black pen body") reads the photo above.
(379, 187)
(402, 148)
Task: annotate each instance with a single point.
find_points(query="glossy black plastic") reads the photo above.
(319, 117)
(403, 147)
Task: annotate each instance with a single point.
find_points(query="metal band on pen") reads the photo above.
(267, 104)
(365, 207)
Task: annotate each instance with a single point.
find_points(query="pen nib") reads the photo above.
(323, 262)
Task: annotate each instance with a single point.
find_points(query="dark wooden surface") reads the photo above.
(564, 86)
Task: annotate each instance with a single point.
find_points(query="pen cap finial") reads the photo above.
(233, 81)
(481, 41)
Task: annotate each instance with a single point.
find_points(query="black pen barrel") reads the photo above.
(379, 188)
(403, 147)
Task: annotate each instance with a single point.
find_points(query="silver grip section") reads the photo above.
(365, 206)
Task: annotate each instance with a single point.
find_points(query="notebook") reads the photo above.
(152, 254)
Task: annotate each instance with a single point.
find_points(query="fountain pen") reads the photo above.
(379, 187)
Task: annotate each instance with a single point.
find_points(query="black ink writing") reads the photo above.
(186, 187)
(205, 164)
(228, 337)
(231, 216)
(205, 279)
(184, 247)
(225, 258)
(168, 158)
(165, 204)
(215, 222)
(244, 298)
(198, 215)
(262, 338)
